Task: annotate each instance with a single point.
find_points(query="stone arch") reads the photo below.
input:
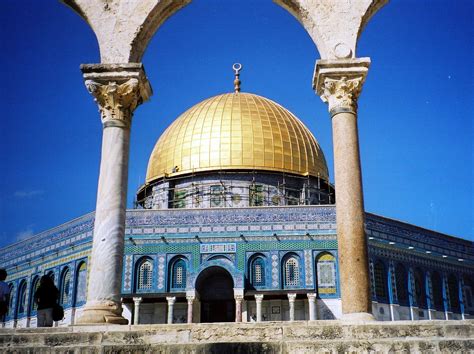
(223, 263)
(124, 28)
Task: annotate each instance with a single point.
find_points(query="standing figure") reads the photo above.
(4, 295)
(46, 297)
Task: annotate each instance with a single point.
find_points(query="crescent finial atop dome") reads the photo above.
(237, 67)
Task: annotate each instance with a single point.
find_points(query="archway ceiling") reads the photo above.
(124, 27)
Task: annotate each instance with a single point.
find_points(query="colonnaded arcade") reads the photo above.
(237, 219)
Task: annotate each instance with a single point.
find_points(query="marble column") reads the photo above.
(258, 302)
(339, 83)
(117, 89)
(171, 300)
(291, 300)
(238, 307)
(136, 310)
(312, 306)
(190, 299)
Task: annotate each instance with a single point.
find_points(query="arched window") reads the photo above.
(453, 293)
(81, 284)
(401, 281)
(380, 280)
(326, 274)
(144, 275)
(34, 286)
(21, 304)
(257, 272)
(420, 292)
(291, 272)
(12, 296)
(437, 291)
(65, 286)
(51, 275)
(178, 274)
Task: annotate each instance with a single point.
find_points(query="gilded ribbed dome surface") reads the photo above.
(236, 131)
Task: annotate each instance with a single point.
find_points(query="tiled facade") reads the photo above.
(232, 238)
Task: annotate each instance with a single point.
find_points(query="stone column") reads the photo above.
(190, 299)
(258, 302)
(339, 83)
(117, 89)
(312, 306)
(238, 307)
(291, 300)
(171, 300)
(136, 310)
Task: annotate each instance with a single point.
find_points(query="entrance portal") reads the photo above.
(216, 293)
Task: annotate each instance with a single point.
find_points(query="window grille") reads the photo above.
(65, 285)
(256, 195)
(81, 283)
(36, 283)
(179, 274)
(326, 274)
(217, 196)
(258, 272)
(292, 272)
(401, 282)
(380, 281)
(145, 275)
(179, 199)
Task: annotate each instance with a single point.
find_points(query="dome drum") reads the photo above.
(235, 189)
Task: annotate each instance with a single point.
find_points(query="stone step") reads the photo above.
(432, 345)
(267, 337)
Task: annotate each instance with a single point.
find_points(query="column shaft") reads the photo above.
(136, 310)
(171, 300)
(118, 89)
(312, 306)
(339, 83)
(258, 302)
(291, 301)
(190, 308)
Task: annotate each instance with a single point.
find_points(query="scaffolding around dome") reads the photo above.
(225, 189)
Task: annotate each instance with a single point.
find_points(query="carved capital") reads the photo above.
(339, 83)
(117, 89)
(342, 94)
(116, 101)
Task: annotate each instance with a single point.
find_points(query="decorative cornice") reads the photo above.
(339, 83)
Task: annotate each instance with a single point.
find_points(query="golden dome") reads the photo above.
(236, 131)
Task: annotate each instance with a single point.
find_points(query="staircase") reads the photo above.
(267, 337)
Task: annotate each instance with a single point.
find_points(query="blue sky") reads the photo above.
(415, 119)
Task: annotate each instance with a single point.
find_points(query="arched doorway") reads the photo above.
(216, 293)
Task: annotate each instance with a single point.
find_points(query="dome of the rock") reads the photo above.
(236, 131)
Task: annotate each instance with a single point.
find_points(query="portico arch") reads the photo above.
(215, 288)
(123, 30)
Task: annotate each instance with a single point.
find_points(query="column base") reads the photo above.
(108, 312)
(358, 317)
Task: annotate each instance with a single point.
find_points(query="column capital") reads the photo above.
(291, 297)
(171, 300)
(137, 300)
(238, 297)
(190, 298)
(258, 297)
(339, 82)
(311, 296)
(117, 89)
